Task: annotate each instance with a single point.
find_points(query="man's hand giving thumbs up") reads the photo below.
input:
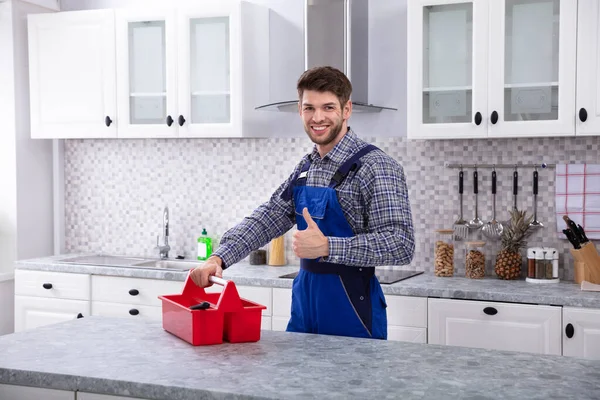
(310, 243)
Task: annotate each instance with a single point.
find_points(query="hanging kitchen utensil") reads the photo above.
(475, 223)
(493, 229)
(515, 188)
(535, 223)
(461, 230)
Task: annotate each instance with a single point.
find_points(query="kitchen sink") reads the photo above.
(131, 262)
(113, 261)
(169, 264)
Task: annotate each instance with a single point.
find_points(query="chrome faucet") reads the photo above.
(163, 251)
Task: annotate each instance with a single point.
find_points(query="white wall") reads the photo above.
(26, 217)
(8, 155)
(34, 157)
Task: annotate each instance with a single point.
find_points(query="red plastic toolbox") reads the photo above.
(229, 317)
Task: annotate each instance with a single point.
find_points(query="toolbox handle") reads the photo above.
(229, 299)
(217, 280)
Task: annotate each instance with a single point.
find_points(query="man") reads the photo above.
(350, 203)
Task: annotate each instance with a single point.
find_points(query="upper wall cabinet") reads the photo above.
(491, 68)
(72, 75)
(193, 71)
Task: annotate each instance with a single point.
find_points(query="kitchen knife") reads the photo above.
(571, 236)
(573, 227)
(582, 234)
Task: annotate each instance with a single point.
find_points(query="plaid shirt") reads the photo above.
(374, 200)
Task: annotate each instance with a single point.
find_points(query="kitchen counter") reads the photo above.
(138, 358)
(425, 285)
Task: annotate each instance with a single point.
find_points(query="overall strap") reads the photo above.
(298, 180)
(352, 164)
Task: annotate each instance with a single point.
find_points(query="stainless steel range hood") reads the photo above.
(336, 33)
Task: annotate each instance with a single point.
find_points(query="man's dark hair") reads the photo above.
(326, 79)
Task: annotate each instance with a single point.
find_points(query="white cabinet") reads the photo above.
(114, 296)
(407, 318)
(44, 298)
(588, 68)
(282, 307)
(581, 332)
(491, 68)
(149, 72)
(72, 74)
(33, 312)
(33, 393)
(500, 326)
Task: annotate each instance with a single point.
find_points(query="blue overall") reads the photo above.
(328, 298)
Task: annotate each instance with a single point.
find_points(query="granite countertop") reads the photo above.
(138, 358)
(425, 285)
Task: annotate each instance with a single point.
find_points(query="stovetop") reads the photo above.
(385, 276)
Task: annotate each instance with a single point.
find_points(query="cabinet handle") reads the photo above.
(107, 121)
(569, 331)
(490, 311)
(181, 120)
(494, 117)
(583, 115)
(169, 120)
(134, 292)
(133, 311)
(47, 286)
(478, 118)
(80, 315)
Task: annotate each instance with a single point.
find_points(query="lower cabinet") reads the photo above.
(581, 332)
(407, 318)
(282, 307)
(14, 392)
(33, 312)
(44, 298)
(500, 326)
(32, 393)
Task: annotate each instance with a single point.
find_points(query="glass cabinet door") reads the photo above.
(147, 72)
(147, 86)
(532, 68)
(448, 63)
(210, 70)
(448, 90)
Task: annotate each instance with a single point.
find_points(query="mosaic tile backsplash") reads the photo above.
(115, 190)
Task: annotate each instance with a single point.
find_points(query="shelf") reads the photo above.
(212, 93)
(530, 85)
(156, 94)
(447, 89)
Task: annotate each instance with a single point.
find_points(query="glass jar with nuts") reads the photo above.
(474, 260)
(443, 250)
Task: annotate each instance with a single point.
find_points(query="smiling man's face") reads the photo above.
(325, 120)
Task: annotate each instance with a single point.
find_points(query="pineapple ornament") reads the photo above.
(509, 259)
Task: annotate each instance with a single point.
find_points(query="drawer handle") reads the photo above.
(569, 331)
(80, 315)
(134, 292)
(47, 286)
(490, 311)
(133, 311)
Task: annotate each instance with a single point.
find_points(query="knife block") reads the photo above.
(587, 263)
(277, 252)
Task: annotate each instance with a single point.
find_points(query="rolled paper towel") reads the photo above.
(258, 257)
(277, 251)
